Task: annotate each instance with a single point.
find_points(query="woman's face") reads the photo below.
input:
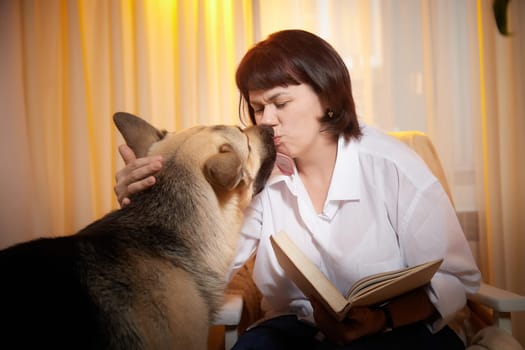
(294, 113)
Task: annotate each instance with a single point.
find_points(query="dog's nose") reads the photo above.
(267, 133)
(267, 129)
(267, 136)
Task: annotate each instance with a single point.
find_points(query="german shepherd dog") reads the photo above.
(152, 274)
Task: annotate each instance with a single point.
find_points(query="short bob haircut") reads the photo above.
(293, 57)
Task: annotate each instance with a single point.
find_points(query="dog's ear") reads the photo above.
(137, 132)
(224, 169)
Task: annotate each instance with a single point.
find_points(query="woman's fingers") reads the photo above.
(136, 176)
(126, 153)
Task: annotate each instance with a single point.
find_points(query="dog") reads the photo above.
(150, 275)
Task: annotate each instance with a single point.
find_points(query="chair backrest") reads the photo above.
(421, 143)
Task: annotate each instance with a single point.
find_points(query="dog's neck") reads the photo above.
(176, 198)
(177, 206)
(181, 202)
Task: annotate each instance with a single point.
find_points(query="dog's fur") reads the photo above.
(150, 275)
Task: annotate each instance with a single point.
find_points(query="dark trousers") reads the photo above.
(287, 332)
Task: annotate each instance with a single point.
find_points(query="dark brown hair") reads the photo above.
(293, 57)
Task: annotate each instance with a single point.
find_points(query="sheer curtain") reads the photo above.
(68, 65)
(436, 66)
(500, 159)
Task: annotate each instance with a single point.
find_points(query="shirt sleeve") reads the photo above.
(249, 235)
(429, 229)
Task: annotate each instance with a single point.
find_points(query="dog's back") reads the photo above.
(99, 290)
(39, 307)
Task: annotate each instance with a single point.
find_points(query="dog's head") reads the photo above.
(232, 160)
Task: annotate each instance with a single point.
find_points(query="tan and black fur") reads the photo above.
(150, 275)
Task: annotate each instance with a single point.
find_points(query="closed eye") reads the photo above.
(258, 109)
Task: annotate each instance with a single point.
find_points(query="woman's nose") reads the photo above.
(268, 117)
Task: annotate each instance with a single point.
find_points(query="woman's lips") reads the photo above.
(277, 140)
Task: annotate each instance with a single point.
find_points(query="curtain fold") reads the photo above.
(500, 157)
(70, 64)
(17, 181)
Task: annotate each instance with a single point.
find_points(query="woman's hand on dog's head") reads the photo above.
(136, 176)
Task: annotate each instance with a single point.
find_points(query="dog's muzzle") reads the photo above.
(268, 158)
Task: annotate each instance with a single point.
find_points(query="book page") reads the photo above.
(375, 279)
(305, 274)
(384, 286)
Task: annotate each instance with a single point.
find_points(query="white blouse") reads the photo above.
(385, 210)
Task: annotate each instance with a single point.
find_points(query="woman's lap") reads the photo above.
(286, 332)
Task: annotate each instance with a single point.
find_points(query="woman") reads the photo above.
(356, 201)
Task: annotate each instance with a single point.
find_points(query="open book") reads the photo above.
(369, 290)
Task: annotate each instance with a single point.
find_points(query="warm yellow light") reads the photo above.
(484, 138)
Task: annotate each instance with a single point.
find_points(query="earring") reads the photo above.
(330, 113)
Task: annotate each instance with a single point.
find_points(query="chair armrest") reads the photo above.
(230, 312)
(229, 316)
(502, 303)
(499, 299)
